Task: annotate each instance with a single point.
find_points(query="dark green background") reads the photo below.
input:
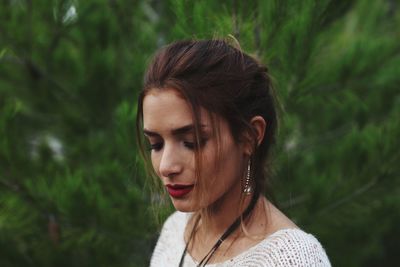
(72, 187)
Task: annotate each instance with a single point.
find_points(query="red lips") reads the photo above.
(179, 190)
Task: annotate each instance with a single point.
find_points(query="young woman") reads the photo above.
(208, 114)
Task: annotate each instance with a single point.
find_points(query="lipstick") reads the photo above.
(179, 190)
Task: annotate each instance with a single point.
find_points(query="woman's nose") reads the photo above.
(170, 163)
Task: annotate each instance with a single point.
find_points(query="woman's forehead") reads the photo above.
(167, 109)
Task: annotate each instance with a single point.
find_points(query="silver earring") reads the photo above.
(247, 186)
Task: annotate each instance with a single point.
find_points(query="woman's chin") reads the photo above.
(183, 206)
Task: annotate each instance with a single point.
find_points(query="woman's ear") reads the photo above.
(259, 125)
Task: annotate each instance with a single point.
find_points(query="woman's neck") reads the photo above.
(218, 217)
(220, 223)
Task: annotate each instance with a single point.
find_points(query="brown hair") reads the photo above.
(226, 82)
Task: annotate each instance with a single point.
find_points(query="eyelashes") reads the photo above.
(194, 145)
(155, 147)
(188, 144)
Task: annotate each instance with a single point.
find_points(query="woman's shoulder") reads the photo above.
(286, 247)
(170, 243)
(174, 227)
(176, 222)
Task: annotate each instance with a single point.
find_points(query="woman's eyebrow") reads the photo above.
(182, 130)
(178, 131)
(150, 133)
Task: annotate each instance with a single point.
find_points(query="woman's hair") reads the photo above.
(224, 81)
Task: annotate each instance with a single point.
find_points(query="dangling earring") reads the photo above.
(247, 186)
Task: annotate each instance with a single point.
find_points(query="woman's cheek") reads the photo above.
(155, 161)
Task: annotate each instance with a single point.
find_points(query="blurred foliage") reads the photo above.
(72, 187)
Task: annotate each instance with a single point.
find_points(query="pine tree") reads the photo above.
(71, 192)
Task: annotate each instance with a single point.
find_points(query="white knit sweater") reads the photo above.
(287, 247)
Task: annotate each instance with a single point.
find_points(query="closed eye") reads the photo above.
(193, 145)
(156, 146)
(190, 145)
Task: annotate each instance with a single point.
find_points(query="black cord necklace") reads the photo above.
(228, 231)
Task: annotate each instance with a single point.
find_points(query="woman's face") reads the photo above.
(168, 126)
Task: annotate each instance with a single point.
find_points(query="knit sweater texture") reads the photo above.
(286, 247)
